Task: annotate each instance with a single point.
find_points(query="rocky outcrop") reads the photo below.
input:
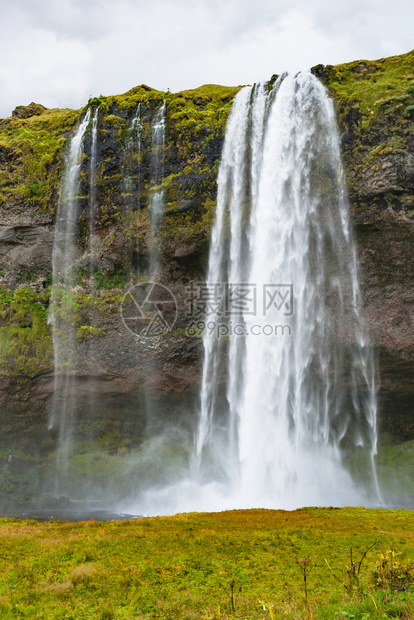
(26, 111)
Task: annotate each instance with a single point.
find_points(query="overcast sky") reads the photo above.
(59, 52)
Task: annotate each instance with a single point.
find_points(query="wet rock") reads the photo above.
(319, 71)
(393, 173)
(25, 250)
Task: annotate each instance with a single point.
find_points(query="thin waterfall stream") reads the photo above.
(157, 206)
(63, 332)
(92, 188)
(131, 169)
(131, 175)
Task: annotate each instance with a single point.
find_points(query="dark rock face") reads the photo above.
(319, 71)
(25, 251)
(378, 155)
(391, 174)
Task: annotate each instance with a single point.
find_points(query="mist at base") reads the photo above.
(187, 495)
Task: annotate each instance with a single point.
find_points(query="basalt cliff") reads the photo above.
(115, 371)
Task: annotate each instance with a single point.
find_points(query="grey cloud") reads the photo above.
(68, 18)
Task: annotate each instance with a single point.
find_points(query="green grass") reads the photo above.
(183, 566)
(374, 82)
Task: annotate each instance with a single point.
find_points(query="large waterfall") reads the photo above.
(283, 267)
(288, 383)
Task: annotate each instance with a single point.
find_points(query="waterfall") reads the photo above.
(131, 169)
(288, 379)
(283, 266)
(292, 307)
(157, 204)
(131, 176)
(61, 307)
(92, 187)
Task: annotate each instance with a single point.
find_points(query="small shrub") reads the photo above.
(392, 571)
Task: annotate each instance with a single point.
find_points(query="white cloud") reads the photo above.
(58, 52)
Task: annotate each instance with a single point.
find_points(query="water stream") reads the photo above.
(63, 332)
(92, 188)
(157, 204)
(131, 169)
(283, 253)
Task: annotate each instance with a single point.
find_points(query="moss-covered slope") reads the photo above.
(32, 148)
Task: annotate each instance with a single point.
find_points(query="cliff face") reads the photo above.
(116, 374)
(375, 102)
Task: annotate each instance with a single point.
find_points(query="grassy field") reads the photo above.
(239, 564)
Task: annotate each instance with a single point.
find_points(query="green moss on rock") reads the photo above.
(25, 339)
(31, 158)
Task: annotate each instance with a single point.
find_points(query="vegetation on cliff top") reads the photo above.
(376, 106)
(374, 83)
(31, 158)
(238, 564)
(32, 149)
